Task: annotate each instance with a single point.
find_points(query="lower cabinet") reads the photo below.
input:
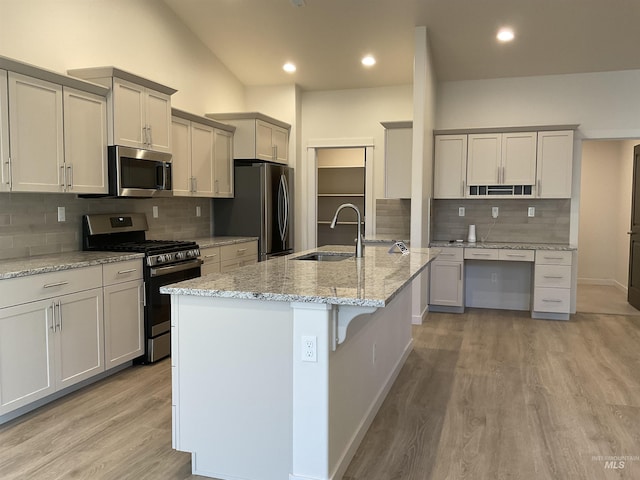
(48, 345)
(552, 279)
(446, 285)
(210, 260)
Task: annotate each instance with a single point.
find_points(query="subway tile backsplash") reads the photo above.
(550, 224)
(393, 217)
(29, 221)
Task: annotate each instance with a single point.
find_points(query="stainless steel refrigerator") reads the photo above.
(262, 207)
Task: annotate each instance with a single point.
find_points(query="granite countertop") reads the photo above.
(206, 242)
(382, 238)
(371, 281)
(22, 267)
(505, 245)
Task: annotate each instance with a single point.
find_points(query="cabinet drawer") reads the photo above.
(544, 257)
(239, 250)
(228, 265)
(15, 291)
(210, 257)
(554, 300)
(553, 276)
(121, 272)
(451, 254)
(211, 267)
(516, 255)
(482, 254)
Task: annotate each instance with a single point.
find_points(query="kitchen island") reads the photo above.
(280, 367)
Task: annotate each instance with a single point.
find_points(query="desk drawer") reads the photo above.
(451, 254)
(553, 300)
(553, 276)
(550, 257)
(517, 255)
(482, 254)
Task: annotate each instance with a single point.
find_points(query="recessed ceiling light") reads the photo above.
(289, 67)
(505, 35)
(368, 61)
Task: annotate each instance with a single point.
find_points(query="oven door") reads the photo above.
(157, 315)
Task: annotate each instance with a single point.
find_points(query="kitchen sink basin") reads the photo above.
(325, 256)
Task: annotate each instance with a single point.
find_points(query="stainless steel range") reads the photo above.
(165, 262)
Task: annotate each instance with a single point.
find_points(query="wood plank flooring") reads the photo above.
(484, 395)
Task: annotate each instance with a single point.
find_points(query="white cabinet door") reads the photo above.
(5, 173)
(397, 162)
(129, 104)
(124, 322)
(518, 158)
(555, 164)
(483, 163)
(264, 141)
(450, 166)
(181, 159)
(36, 134)
(158, 121)
(446, 284)
(280, 142)
(223, 158)
(85, 142)
(26, 354)
(79, 343)
(202, 162)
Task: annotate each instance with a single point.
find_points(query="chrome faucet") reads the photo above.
(359, 239)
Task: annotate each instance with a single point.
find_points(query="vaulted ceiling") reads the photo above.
(327, 38)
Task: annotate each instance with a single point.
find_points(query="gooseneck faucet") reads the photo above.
(359, 239)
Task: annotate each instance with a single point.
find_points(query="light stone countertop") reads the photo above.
(372, 281)
(383, 239)
(505, 245)
(218, 241)
(22, 267)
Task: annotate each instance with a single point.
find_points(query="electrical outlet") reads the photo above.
(494, 212)
(461, 211)
(309, 348)
(198, 211)
(155, 211)
(531, 212)
(62, 217)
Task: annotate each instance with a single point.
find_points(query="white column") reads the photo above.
(311, 392)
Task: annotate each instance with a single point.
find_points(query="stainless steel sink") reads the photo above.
(325, 256)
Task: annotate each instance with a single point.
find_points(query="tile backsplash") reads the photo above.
(393, 217)
(29, 221)
(550, 224)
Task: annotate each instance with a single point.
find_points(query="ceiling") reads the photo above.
(327, 38)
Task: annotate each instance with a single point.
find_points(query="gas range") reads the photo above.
(166, 262)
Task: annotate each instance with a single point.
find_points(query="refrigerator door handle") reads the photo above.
(287, 201)
(281, 208)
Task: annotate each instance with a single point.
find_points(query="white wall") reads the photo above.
(605, 212)
(348, 114)
(142, 36)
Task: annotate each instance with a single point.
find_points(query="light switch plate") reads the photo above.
(461, 211)
(531, 212)
(494, 212)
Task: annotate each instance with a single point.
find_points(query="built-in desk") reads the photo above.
(534, 277)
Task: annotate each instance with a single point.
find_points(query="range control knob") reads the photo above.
(181, 255)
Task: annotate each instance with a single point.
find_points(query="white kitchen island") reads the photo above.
(280, 367)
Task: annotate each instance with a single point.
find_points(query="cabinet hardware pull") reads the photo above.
(515, 255)
(539, 189)
(241, 250)
(144, 294)
(551, 258)
(8, 172)
(551, 300)
(553, 276)
(122, 272)
(481, 254)
(70, 180)
(57, 284)
(195, 184)
(59, 324)
(464, 188)
(150, 135)
(460, 271)
(53, 316)
(64, 177)
(211, 256)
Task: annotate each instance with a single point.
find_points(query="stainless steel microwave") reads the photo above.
(134, 172)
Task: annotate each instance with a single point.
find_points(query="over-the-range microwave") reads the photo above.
(135, 172)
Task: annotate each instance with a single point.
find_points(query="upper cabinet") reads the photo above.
(257, 136)
(202, 156)
(53, 135)
(555, 160)
(139, 109)
(450, 166)
(502, 159)
(397, 159)
(515, 163)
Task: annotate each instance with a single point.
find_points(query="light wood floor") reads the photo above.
(603, 299)
(484, 395)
